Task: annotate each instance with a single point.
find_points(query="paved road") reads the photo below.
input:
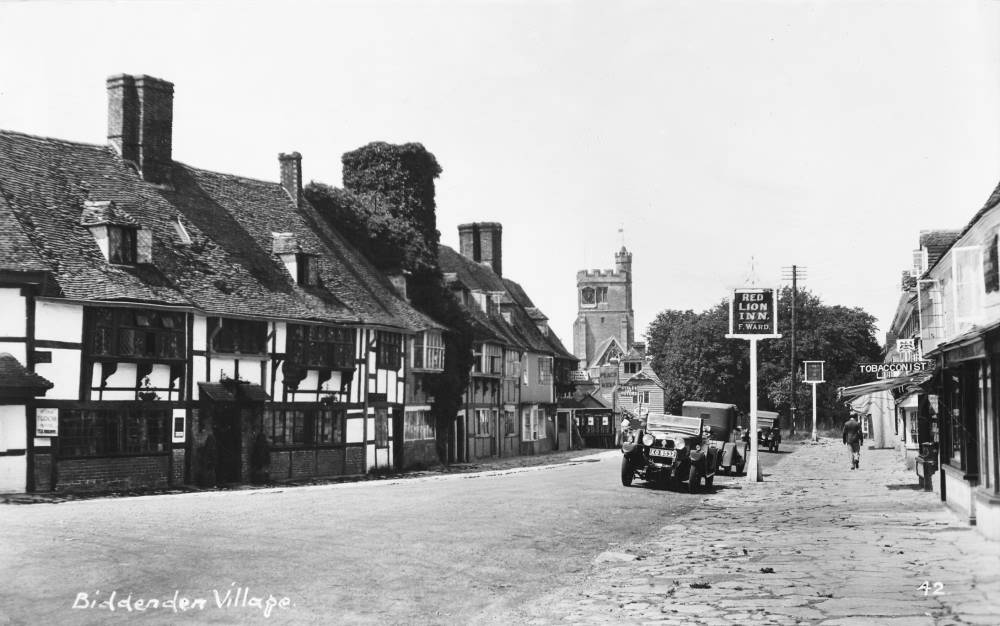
(446, 550)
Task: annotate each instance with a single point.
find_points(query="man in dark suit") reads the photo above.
(854, 438)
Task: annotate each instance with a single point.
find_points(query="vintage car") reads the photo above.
(726, 433)
(768, 431)
(669, 450)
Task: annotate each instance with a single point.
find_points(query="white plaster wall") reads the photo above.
(199, 333)
(220, 366)
(13, 428)
(250, 371)
(369, 456)
(18, 350)
(124, 376)
(13, 321)
(64, 373)
(371, 428)
(355, 431)
(55, 321)
(280, 334)
(200, 373)
(160, 376)
(125, 395)
(959, 493)
(382, 457)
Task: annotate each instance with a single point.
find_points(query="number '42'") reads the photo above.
(936, 590)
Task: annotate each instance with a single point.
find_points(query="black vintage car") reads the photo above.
(768, 431)
(669, 450)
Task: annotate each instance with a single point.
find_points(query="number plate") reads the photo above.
(666, 453)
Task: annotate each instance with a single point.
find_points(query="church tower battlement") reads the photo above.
(604, 308)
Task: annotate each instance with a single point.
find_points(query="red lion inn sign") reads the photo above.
(753, 312)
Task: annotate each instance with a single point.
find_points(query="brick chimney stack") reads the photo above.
(140, 123)
(291, 175)
(483, 243)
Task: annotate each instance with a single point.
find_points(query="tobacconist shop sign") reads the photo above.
(899, 366)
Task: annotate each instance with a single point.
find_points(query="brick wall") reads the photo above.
(112, 473)
(355, 460)
(330, 462)
(43, 472)
(177, 477)
(303, 464)
(423, 452)
(281, 463)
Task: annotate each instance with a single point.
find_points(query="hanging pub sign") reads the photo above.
(814, 371)
(905, 345)
(753, 313)
(896, 367)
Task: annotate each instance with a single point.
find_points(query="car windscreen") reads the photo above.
(675, 423)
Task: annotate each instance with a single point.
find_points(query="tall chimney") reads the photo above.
(468, 241)
(140, 123)
(491, 245)
(483, 243)
(291, 175)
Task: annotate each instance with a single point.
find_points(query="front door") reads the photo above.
(226, 423)
(13, 442)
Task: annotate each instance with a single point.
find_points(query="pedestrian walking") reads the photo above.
(854, 438)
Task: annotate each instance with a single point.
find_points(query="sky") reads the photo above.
(726, 140)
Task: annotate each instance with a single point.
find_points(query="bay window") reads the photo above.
(321, 346)
(428, 351)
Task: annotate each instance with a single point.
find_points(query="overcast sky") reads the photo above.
(825, 135)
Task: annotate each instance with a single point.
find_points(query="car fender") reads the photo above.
(633, 449)
(728, 454)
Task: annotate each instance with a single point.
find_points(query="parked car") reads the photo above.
(726, 433)
(768, 431)
(669, 450)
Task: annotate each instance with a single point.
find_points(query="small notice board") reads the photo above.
(46, 422)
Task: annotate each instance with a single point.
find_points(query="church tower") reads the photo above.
(604, 308)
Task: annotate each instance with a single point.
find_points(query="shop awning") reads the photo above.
(918, 378)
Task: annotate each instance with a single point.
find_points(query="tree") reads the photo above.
(388, 211)
(696, 362)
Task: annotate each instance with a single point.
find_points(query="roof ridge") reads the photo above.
(55, 140)
(225, 175)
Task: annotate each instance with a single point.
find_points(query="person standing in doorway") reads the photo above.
(854, 438)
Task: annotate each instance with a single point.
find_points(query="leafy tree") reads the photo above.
(388, 212)
(696, 362)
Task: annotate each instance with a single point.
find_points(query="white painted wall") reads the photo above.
(13, 436)
(354, 432)
(64, 373)
(13, 319)
(18, 350)
(57, 321)
(200, 372)
(199, 335)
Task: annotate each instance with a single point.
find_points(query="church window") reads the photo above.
(588, 296)
(602, 295)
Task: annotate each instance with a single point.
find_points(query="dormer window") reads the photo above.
(122, 245)
(919, 263)
(306, 269)
(633, 367)
(182, 232)
(120, 238)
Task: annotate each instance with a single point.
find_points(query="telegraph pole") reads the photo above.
(793, 273)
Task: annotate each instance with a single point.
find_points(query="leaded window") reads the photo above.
(134, 333)
(428, 351)
(321, 346)
(238, 336)
(304, 427)
(112, 432)
(389, 350)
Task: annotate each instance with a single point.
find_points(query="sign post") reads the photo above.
(814, 376)
(753, 315)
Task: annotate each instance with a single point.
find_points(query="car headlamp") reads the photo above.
(679, 443)
(647, 439)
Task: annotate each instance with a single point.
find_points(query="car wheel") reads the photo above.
(739, 468)
(694, 480)
(727, 470)
(678, 481)
(627, 473)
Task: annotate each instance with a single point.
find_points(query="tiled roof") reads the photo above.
(937, 243)
(522, 330)
(228, 268)
(535, 314)
(991, 203)
(13, 375)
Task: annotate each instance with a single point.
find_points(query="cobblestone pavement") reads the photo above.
(816, 543)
